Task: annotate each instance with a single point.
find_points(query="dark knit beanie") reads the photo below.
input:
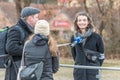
(27, 11)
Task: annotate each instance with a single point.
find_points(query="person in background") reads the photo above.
(42, 47)
(83, 40)
(15, 40)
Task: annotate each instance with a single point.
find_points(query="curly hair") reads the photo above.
(90, 25)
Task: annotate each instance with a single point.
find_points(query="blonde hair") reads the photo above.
(53, 46)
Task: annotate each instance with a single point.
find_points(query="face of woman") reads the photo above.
(82, 22)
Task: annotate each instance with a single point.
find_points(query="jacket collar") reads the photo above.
(25, 26)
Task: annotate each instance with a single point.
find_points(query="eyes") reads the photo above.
(82, 19)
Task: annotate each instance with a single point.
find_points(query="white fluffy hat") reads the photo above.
(42, 27)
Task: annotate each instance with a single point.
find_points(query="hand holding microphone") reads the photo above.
(77, 40)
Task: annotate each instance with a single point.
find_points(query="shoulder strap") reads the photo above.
(23, 54)
(83, 44)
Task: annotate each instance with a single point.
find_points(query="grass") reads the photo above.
(66, 73)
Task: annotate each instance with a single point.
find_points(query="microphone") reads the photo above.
(77, 40)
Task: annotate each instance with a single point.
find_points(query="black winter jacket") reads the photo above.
(93, 42)
(14, 46)
(37, 50)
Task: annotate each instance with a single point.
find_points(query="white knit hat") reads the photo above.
(42, 27)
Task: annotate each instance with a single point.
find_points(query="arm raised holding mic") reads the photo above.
(76, 40)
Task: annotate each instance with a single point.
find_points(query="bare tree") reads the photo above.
(102, 23)
(105, 11)
(85, 5)
(20, 4)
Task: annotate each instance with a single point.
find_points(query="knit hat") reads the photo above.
(27, 11)
(42, 27)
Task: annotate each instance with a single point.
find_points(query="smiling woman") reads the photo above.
(85, 39)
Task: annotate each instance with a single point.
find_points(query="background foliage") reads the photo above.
(105, 14)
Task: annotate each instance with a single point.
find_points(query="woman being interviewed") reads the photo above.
(42, 47)
(83, 40)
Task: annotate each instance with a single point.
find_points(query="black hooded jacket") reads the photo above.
(37, 50)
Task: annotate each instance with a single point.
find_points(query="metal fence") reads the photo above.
(88, 67)
(99, 76)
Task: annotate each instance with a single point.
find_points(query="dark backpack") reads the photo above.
(3, 38)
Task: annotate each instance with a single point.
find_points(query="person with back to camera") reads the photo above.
(42, 47)
(87, 48)
(15, 40)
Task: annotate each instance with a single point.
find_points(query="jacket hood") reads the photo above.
(40, 40)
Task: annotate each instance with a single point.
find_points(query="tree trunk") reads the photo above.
(85, 5)
(18, 7)
(20, 4)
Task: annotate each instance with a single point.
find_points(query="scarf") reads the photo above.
(83, 36)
